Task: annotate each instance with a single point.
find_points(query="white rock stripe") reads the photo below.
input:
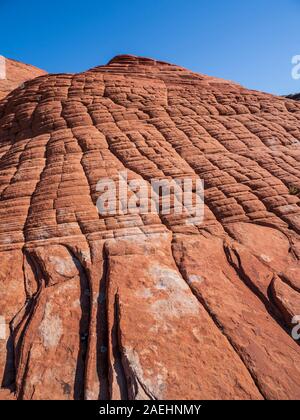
(2, 68)
(2, 328)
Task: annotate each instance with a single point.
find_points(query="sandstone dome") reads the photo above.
(148, 306)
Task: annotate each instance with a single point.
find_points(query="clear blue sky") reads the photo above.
(248, 41)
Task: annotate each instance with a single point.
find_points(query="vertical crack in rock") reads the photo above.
(288, 281)
(286, 299)
(13, 345)
(102, 334)
(34, 284)
(234, 260)
(217, 323)
(9, 375)
(96, 379)
(79, 383)
(40, 326)
(22, 330)
(116, 369)
(127, 367)
(20, 389)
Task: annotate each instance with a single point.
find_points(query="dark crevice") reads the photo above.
(102, 334)
(36, 270)
(23, 325)
(148, 393)
(9, 376)
(287, 281)
(287, 323)
(218, 325)
(270, 307)
(79, 382)
(20, 320)
(20, 393)
(133, 382)
(117, 355)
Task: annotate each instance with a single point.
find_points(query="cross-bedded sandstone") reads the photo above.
(148, 306)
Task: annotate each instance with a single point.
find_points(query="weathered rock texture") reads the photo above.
(148, 306)
(16, 74)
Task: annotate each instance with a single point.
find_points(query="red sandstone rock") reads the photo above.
(16, 74)
(148, 306)
(286, 299)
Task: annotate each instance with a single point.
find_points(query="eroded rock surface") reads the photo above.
(148, 306)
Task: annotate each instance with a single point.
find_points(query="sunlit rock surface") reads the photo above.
(148, 306)
(13, 74)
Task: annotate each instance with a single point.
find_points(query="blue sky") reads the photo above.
(248, 41)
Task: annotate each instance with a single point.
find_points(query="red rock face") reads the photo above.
(15, 74)
(148, 306)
